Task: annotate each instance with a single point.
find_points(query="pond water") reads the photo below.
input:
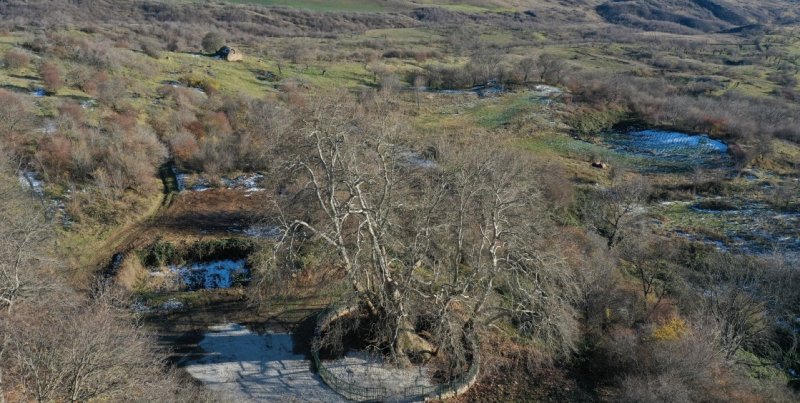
(212, 275)
(668, 151)
(739, 224)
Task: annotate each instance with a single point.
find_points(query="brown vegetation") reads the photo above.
(434, 231)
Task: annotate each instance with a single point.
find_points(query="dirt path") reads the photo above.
(122, 238)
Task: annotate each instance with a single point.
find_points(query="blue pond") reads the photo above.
(674, 143)
(659, 150)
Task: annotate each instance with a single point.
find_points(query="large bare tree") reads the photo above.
(424, 241)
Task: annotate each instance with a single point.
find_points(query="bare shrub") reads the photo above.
(212, 42)
(77, 353)
(110, 91)
(614, 213)
(16, 115)
(183, 146)
(152, 48)
(51, 76)
(16, 59)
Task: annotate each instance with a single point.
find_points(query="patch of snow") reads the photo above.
(547, 89)
(210, 275)
(39, 92)
(180, 179)
(265, 231)
(247, 182)
(172, 305)
(49, 128)
(418, 160)
(140, 307)
(248, 367)
(29, 180)
(88, 104)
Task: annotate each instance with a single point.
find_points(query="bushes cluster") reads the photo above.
(16, 59)
(164, 253)
(218, 135)
(418, 55)
(749, 121)
(120, 154)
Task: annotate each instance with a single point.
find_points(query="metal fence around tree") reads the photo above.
(354, 391)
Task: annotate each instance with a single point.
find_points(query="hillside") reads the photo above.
(697, 16)
(382, 200)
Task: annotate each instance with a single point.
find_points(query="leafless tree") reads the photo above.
(649, 261)
(73, 352)
(550, 68)
(427, 242)
(735, 304)
(16, 114)
(527, 66)
(615, 211)
(25, 244)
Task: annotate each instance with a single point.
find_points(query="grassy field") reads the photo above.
(324, 5)
(383, 5)
(537, 124)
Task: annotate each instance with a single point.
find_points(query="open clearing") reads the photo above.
(249, 367)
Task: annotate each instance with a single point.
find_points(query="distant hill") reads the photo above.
(677, 16)
(694, 16)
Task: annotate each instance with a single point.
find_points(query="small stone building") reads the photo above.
(230, 54)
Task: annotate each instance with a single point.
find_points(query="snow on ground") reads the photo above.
(247, 182)
(248, 367)
(29, 180)
(418, 160)
(210, 275)
(180, 179)
(547, 90)
(263, 231)
(250, 183)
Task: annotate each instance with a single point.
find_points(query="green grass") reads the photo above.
(680, 216)
(497, 112)
(403, 35)
(323, 5)
(475, 9)
(566, 146)
(377, 5)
